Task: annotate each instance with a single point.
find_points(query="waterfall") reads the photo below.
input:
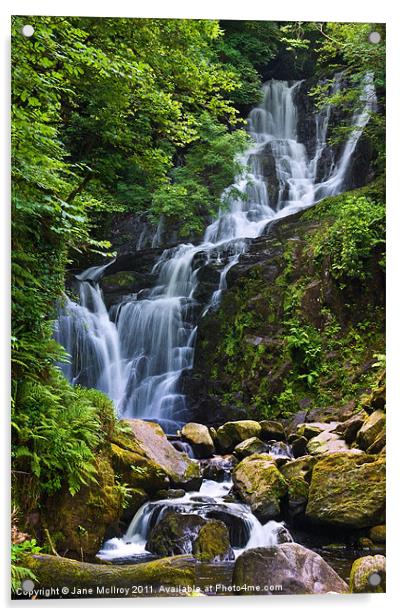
(138, 356)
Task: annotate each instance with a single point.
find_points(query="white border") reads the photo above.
(308, 10)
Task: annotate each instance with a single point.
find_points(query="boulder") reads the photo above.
(199, 438)
(218, 468)
(299, 446)
(286, 569)
(234, 432)
(171, 493)
(57, 572)
(272, 430)
(175, 534)
(326, 442)
(138, 471)
(347, 489)
(379, 444)
(368, 575)
(371, 428)
(301, 468)
(250, 446)
(258, 482)
(309, 431)
(212, 543)
(349, 428)
(378, 533)
(149, 439)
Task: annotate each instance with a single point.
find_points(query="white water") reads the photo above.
(138, 357)
(134, 541)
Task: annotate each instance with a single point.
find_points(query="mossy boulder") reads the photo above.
(378, 533)
(77, 523)
(349, 428)
(175, 533)
(218, 468)
(234, 432)
(199, 438)
(258, 482)
(347, 489)
(149, 440)
(53, 572)
(301, 468)
(286, 569)
(309, 431)
(272, 430)
(371, 429)
(212, 543)
(368, 575)
(138, 471)
(379, 444)
(250, 446)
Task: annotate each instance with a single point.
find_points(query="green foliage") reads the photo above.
(19, 573)
(357, 232)
(57, 429)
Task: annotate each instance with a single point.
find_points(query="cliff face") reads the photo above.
(289, 336)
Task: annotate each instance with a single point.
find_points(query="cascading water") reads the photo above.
(137, 357)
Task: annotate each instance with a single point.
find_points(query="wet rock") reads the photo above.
(347, 489)
(368, 575)
(299, 446)
(135, 498)
(290, 567)
(212, 543)
(164, 494)
(309, 431)
(234, 432)
(272, 430)
(218, 468)
(138, 471)
(250, 446)
(349, 428)
(258, 482)
(199, 438)
(378, 533)
(149, 438)
(371, 429)
(175, 534)
(326, 442)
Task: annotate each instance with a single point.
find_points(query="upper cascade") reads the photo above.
(138, 351)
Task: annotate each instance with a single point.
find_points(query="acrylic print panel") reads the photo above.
(198, 307)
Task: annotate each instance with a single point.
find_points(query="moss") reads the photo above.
(212, 543)
(362, 570)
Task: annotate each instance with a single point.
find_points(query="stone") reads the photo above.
(149, 438)
(290, 567)
(301, 468)
(368, 575)
(250, 446)
(272, 430)
(379, 444)
(347, 489)
(212, 544)
(199, 438)
(299, 446)
(134, 500)
(378, 533)
(258, 482)
(309, 431)
(234, 432)
(174, 534)
(371, 429)
(326, 442)
(349, 428)
(218, 468)
(171, 493)
(138, 471)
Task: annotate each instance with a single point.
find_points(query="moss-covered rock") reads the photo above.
(379, 444)
(149, 440)
(57, 572)
(378, 533)
(258, 482)
(368, 575)
(326, 442)
(234, 432)
(347, 489)
(199, 438)
(301, 468)
(138, 471)
(272, 430)
(175, 533)
(349, 428)
(250, 446)
(285, 569)
(371, 429)
(212, 543)
(77, 524)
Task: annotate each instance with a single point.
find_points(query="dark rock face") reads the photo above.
(288, 569)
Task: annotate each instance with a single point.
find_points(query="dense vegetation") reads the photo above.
(143, 116)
